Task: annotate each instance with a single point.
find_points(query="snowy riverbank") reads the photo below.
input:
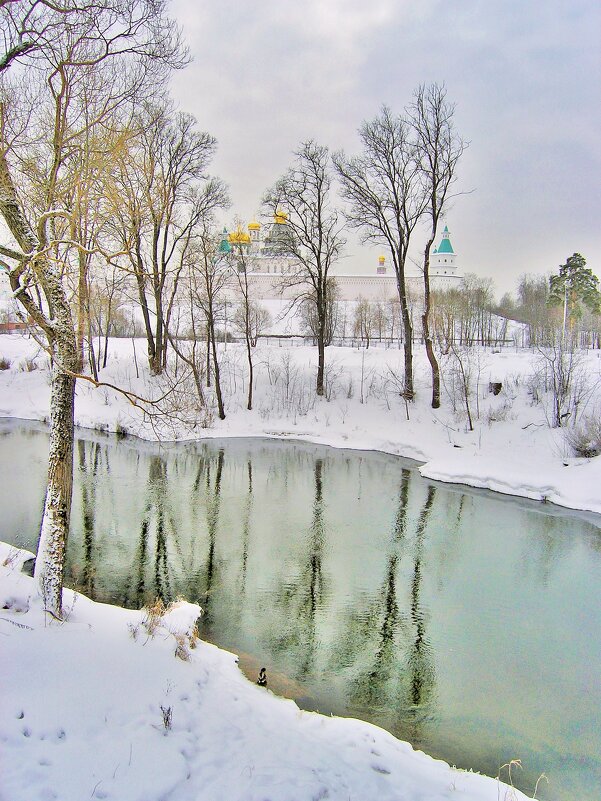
(512, 449)
(101, 707)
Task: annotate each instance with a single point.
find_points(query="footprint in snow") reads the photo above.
(380, 769)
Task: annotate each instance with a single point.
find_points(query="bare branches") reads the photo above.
(314, 231)
(386, 200)
(161, 201)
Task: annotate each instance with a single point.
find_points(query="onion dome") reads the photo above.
(239, 237)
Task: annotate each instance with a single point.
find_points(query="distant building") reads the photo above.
(263, 250)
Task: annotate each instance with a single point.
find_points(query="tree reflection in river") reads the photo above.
(298, 600)
(88, 506)
(384, 648)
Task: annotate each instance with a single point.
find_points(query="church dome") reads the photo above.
(254, 226)
(239, 237)
(280, 217)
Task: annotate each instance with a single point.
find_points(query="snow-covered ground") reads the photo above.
(81, 715)
(122, 705)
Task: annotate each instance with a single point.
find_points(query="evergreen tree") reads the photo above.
(574, 286)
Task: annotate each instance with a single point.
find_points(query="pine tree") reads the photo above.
(573, 287)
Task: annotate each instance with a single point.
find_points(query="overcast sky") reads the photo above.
(525, 78)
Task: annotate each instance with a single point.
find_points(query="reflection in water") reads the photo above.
(358, 578)
(213, 505)
(419, 660)
(377, 684)
(400, 677)
(300, 599)
(88, 505)
(246, 528)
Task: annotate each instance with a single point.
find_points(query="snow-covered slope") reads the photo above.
(98, 707)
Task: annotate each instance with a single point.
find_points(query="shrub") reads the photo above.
(4, 363)
(153, 615)
(29, 366)
(585, 439)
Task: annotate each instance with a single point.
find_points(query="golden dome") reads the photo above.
(239, 237)
(254, 226)
(280, 217)
(382, 259)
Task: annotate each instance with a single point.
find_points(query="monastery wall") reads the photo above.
(270, 286)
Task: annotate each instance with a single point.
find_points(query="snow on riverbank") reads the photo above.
(512, 449)
(85, 705)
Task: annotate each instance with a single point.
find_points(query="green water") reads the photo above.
(464, 622)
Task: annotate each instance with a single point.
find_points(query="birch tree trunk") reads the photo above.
(54, 530)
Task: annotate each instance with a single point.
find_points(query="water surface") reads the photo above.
(464, 622)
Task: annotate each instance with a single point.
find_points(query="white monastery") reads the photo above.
(261, 249)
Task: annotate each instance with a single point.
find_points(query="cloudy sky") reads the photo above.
(525, 78)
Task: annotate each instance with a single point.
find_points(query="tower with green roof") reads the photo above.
(224, 245)
(442, 258)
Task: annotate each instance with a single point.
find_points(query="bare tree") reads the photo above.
(364, 321)
(315, 229)
(208, 282)
(310, 318)
(104, 301)
(240, 266)
(386, 197)
(163, 195)
(258, 320)
(533, 309)
(438, 152)
(206, 278)
(120, 46)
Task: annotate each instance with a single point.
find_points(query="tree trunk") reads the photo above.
(321, 336)
(54, 530)
(426, 330)
(408, 393)
(218, 393)
(62, 342)
(320, 364)
(209, 344)
(249, 356)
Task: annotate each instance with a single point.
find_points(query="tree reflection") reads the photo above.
(212, 505)
(420, 664)
(376, 630)
(88, 475)
(299, 601)
(385, 652)
(246, 528)
(153, 567)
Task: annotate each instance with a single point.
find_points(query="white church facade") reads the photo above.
(267, 270)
